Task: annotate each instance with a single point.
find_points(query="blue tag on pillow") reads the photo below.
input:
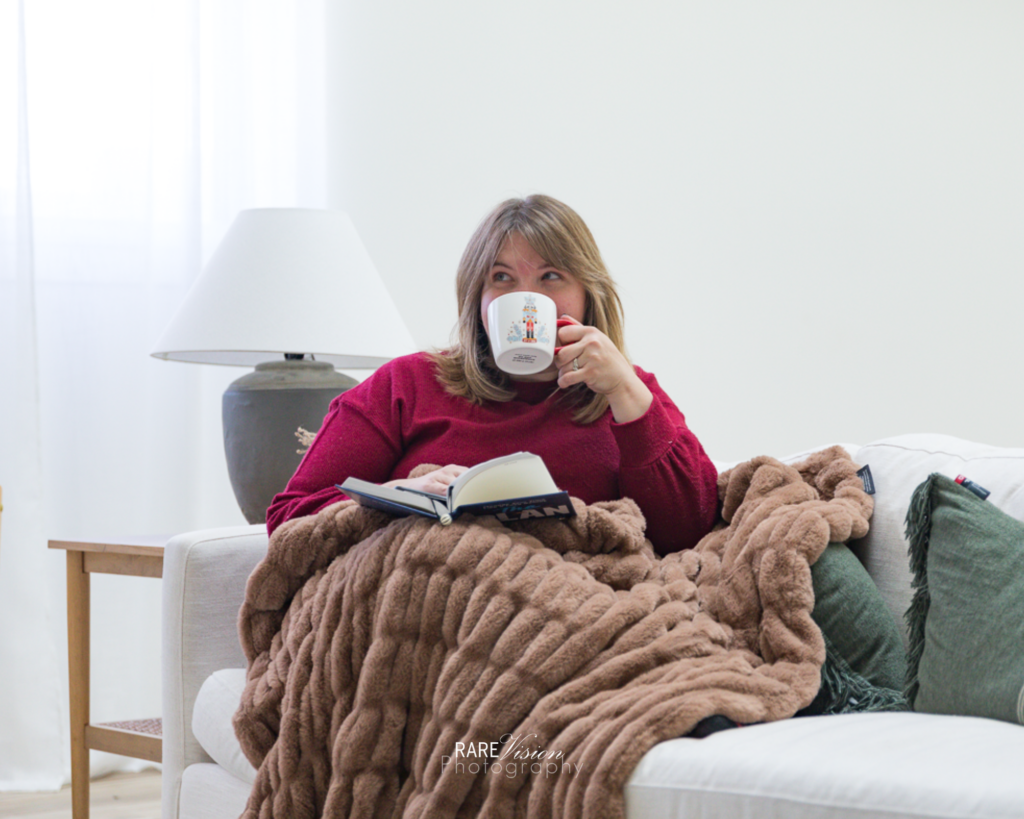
(980, 491)
(864, 473)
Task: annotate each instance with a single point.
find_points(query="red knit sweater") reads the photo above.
(402, 417)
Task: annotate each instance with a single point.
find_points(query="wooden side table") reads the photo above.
(138, 557)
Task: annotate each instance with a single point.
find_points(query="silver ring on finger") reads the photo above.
(575, 364)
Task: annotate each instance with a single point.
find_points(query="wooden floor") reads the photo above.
(118, 796)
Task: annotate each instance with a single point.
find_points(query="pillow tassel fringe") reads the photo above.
(918, 531)
(844, 691)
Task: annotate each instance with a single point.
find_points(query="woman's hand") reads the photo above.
(435, 482)
(603, 368)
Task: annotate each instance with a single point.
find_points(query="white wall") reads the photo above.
(815, 211)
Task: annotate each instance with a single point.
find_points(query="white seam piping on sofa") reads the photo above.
(943, 452)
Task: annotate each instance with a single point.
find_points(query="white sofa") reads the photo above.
(858, 765)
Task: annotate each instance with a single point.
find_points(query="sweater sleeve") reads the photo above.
(360, 437)
(664, 468)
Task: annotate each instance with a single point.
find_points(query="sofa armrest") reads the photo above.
(204, 579)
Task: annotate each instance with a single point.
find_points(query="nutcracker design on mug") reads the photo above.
(526, 346)
(528, 332)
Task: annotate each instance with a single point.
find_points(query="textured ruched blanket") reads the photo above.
(402, 668)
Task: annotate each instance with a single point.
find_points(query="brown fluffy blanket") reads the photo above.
(403, 668)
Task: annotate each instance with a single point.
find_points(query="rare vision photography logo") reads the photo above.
(511, 756)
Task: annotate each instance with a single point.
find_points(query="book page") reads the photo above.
(356, 487)
(512, 476)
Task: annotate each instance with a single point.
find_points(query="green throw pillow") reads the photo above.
(852, 615)
(967, 616)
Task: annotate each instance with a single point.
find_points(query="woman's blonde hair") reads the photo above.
(560, 237)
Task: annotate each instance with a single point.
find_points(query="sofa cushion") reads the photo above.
(898, 465)
(881, 766)
(216, 704)
(210, 792)
(967, 618)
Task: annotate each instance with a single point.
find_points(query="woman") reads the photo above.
(604, 428)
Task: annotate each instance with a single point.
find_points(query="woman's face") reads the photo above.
(519, 267)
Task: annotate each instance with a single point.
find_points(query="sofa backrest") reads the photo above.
(898, 465)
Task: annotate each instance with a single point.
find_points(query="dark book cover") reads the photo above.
(553, 505)
(404, 502)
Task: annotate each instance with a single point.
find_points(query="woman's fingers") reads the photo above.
(588, 350)
(569, 333)
(435, 488)
(570, 353)
(592, 359)
(435, 482)
(574, 340)
(441, 478)
(568, 376)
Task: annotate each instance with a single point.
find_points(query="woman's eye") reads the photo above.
(499, 276)
(552, 275)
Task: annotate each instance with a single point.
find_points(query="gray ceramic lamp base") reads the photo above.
(262, 411)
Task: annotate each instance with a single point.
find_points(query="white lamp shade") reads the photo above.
(288, 280)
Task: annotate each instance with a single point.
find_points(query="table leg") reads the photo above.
(78, 679)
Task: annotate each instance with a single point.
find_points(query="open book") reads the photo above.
(513, 487)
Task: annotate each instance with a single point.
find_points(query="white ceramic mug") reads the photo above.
(523, 329)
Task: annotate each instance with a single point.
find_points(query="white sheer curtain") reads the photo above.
(131, 132)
